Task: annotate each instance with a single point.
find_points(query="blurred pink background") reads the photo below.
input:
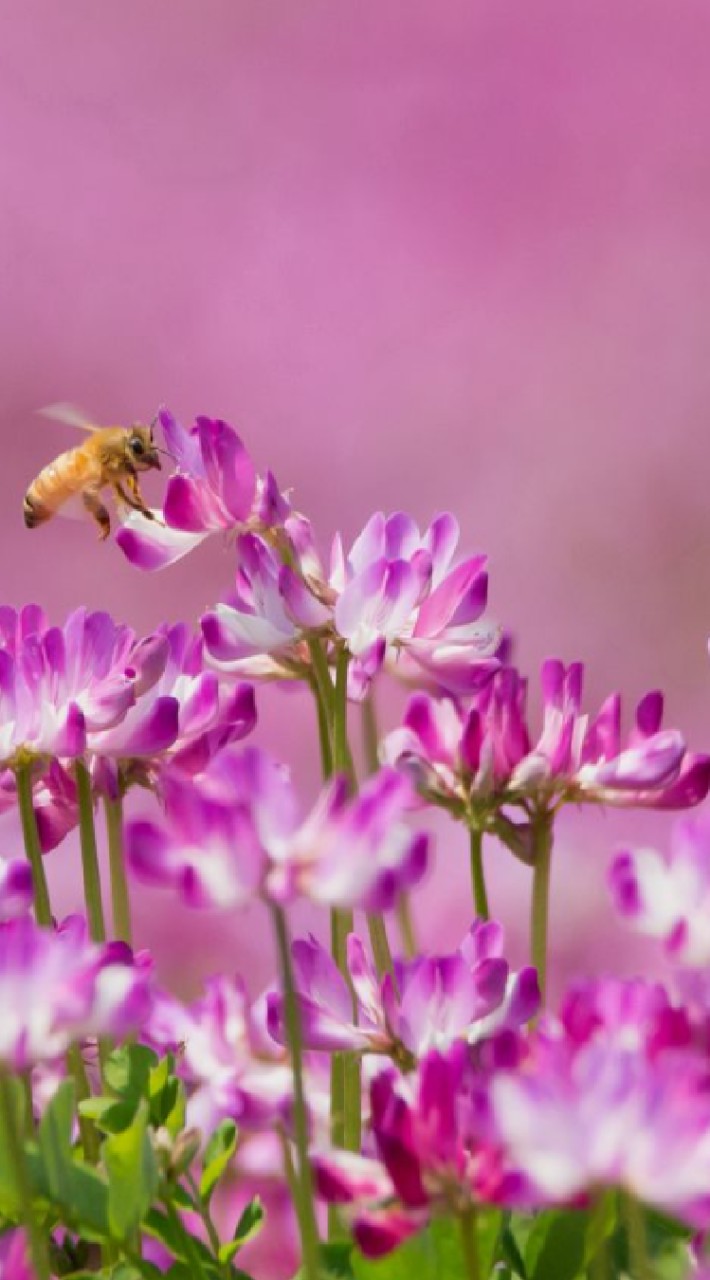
(450, 255)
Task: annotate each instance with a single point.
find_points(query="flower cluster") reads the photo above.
(480, 757)
(92, 690)
(237, 832)
(395, 1088)
(57, 988)
(427, 1003)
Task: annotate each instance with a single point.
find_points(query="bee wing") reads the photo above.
(71, 414)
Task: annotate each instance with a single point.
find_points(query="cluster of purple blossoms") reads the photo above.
(669, 898)
(427, 1003)
(57, 988)
(393, 599)
(478, 758)
(215, 490)
(92, 690)
(231, 1067)
(466, 1100)
(613, 1093)
(238, 832)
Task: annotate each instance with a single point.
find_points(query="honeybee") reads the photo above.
(111, 458)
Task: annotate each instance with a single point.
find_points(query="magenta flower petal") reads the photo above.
(228, 467)
(187, 507)
(459, 599)
(69, 740)
(148, 735)
(651, 764)
(57, 988)
(301, 604)
(150, 545)
(15, 889)
(378, 1233)
(344, 1176)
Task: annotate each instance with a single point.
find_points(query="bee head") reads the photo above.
(141, 448)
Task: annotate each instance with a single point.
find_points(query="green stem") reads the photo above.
(542, 831)
(43, 911)
(469, 1243)
(203, 1211)
(16, 1159)
(120, 897)
(370, 733)
(478, 877)
(326, 750)
(380, 946)
(346, 1089)
(639, 1259)
(342, 755)
(304, 1181)
(407, 932)
(88, 1133)
(341, 923)
(192, 1254)
(89, 856)
(352, 1099)
(321, 674)
(28, 1125)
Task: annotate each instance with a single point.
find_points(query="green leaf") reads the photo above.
(138, 1270)
(218, 1153)
(602, 1222)
(181, 1198)
(435, 1254)
(55, 1139)
(163, 1092)
(82, 1197)
(159, 1225)
(127, 1070)
(250, 1223)
(108, 1114)
(132, 1174)
(509, 1251)
(335, 1259)
(10, 1202)
(556, 1244)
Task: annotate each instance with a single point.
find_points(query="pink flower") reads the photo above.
(57, 987)
(230, 1068)
(214, 490)
(400, 602)
(15, 889)
(435, 1001)
(14, 1257)
(433, 1152)
(482, 756)
(237, 832)
(612, 1095)
(669, 897)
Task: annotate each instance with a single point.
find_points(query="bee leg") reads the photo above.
(133, 498)
(96, 509)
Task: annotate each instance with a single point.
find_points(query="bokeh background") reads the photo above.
(424, 256)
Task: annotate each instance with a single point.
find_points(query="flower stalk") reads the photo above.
(540, 902)
(303, 1183)
(89, 855)
(469, 1243)
(632, 1211)
(120, 897)
(16, 1160)
(42, 908)
(478, 877)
